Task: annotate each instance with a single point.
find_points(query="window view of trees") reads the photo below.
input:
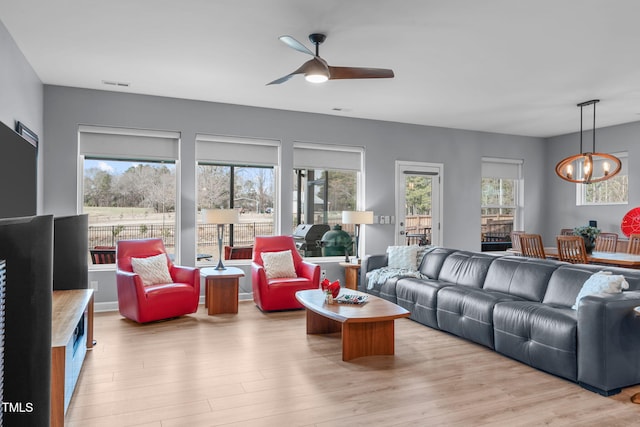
(126, 199)
(498, 208)
(418, 208)
(418, 195)
(614, 190)
(142, 185)
(611, 191)
(320, 196)
(249, 189)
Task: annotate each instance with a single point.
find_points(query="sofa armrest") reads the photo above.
(609, 342)
(258, 282)
(310, 271)
(189, 275)
(370, 263)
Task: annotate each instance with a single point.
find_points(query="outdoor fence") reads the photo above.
(417, 223)
(243, 233)
(496, 228)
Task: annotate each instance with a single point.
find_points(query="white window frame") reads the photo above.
(144, 145)
(311, 155)
(243, 151)
(518, 219)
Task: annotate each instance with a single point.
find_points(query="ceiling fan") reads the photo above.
(317, 70)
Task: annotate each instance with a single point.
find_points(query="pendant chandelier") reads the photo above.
(589, 167)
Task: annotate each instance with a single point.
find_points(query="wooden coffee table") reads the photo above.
(367, 329)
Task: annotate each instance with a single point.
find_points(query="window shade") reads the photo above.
(127, 144)
(501, 168)
(237, 151)
(312, 156)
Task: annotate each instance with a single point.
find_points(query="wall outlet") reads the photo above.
(323, 274)
(94, 285)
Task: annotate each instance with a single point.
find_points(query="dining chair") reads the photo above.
(606, 242)
(566, 231)
(515, 240)
(571, 249)
(532, 245)
(634, 244)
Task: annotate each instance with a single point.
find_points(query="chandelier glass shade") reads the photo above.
(589, 167)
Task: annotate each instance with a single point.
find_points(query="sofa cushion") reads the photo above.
(466, 268)
(523, 277)
(432, 262)
(565, 284)
(403, 257)
(419, 296)
(383, 288)
(468, 312)
(538, 335)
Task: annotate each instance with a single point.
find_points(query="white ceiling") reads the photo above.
(516, 67)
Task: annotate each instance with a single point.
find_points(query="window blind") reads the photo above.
(237, 151)
(322, 156)
(128, 144)
(501, 168)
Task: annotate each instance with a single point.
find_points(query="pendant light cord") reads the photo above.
(594, 127)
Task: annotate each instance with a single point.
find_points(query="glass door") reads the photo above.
(418, 203)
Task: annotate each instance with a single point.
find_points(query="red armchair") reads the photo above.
(159, 301)
(279, 294)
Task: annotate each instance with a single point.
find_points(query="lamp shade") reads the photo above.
(219, 216)
(357, 217)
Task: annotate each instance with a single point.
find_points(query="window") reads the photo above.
(610, 192)
(249, 189)
(500, 198)
(238, 173)
(327, 181)
(128, 187)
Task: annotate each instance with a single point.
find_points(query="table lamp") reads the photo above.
(220, 217)
(358, 218)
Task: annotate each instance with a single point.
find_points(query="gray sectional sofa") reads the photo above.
(521, 308)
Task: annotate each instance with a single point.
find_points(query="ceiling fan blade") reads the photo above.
(295, 44)
(310, 65)
(359, 73)
(281, 79)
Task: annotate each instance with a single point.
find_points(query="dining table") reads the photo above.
(621, 259)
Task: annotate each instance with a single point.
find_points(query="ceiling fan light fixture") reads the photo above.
(316, 72)
(316, 77)
(590, 167)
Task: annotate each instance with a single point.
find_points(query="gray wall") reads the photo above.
(21, 91)
(460, 152)
(560, 206)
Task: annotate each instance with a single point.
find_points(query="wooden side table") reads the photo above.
(351, 272)
(221, 289)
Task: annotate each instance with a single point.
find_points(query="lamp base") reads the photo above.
(220, 266)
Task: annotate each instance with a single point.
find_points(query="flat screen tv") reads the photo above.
(18, 174)
(26, 246)
(70, 252)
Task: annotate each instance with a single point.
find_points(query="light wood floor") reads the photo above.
(255, 369)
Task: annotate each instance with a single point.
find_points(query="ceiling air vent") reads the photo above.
(114, 83)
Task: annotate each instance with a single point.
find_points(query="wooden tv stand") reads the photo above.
(71, 336)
